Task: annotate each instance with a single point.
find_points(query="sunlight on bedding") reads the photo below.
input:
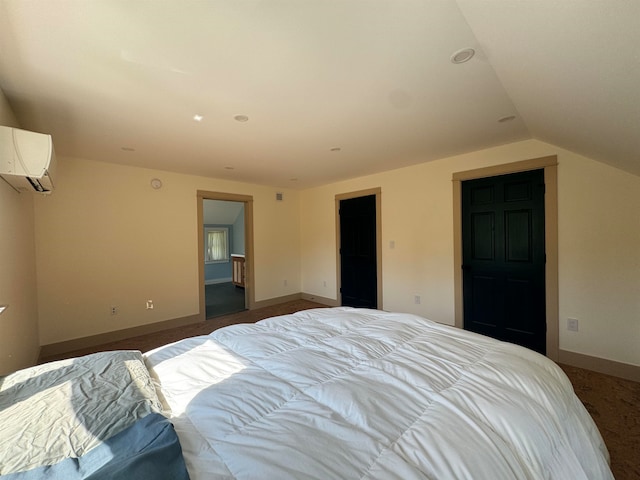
(64, 409)
(211, 365)
(354, 393)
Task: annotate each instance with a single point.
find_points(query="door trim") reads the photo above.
(550, 166)
(346, 196)
(248, 245)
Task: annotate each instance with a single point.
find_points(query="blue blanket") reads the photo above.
(92, 417)
(147, 449)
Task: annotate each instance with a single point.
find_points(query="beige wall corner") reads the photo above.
(19, 344)
(277, 300)
(329, 302)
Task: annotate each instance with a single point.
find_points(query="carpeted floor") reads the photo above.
(613, 403)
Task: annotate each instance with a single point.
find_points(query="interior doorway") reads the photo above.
(550, 167)
(225, 246)
(503, 258)
(359, 252)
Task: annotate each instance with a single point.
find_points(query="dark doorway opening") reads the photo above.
(358, 252)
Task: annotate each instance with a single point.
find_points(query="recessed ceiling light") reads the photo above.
(335, 149)
(128, 149)
(463, 55)
(198, 118)
(156, 183)
(229, 168)
(241, 118)
(508, 118)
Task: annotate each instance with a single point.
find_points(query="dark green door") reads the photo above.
(503, 257)
(358, 260)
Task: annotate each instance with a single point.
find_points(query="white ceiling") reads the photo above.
(371, 77)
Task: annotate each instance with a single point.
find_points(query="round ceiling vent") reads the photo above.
(463, 55)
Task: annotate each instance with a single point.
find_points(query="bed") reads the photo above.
(343, 393)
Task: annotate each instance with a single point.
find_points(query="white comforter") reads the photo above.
(345, 393)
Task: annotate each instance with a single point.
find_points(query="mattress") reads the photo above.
(341, 393)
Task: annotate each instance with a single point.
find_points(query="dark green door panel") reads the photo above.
(503, 255)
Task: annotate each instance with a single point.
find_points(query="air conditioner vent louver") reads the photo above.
(27, 159)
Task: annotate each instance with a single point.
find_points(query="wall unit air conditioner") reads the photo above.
(27, 159)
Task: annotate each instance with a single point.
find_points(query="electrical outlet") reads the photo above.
(114, 310)
(285, 283)
(324, 284)
(149, 304)
(572, 324)
(416, 300)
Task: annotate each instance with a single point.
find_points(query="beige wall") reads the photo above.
(599, 240)
(19, 345)
(105, 237)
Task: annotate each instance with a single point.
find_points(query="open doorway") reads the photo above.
(223, 225)
(225, 258)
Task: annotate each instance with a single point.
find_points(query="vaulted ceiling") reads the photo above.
(298, 93)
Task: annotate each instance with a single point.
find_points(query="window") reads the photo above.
(216, 245)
